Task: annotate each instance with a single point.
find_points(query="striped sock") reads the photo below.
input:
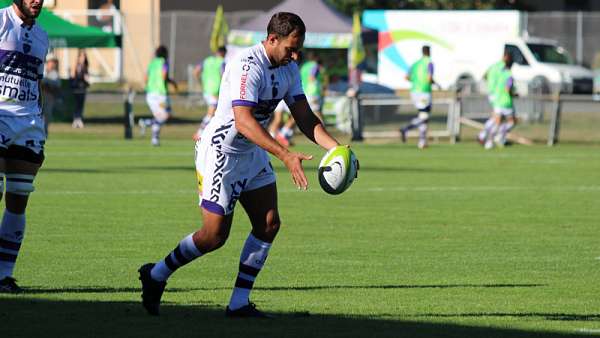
(252, 260)
(12, 232)
(184, 253)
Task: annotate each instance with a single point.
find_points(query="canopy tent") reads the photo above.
(325, 27)
(63, 33)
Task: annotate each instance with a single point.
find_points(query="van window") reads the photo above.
(518, 57)
(550, 53)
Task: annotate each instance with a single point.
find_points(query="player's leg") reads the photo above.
(161, 111)
(218, 200)
(287, 131)
(489, 142)
(211, 103)
(261, 206)
(422, 102)
(20, 166)
(508, 124)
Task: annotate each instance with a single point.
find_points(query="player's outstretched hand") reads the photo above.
(293, 162)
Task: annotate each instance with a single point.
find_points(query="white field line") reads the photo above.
(314, 188)
(588, 330)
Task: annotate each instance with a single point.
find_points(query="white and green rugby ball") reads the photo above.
(337, 170)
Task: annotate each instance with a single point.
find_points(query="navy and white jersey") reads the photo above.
(250, 80)
(23, 51)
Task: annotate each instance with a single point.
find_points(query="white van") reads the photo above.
(464, 44)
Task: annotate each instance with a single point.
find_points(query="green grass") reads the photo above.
(453, 241)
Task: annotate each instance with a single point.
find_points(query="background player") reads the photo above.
(504, 110)
(24, 47)
(491, 75)
(157, 93)
(232, 161)
(210, 73)
(420, 76)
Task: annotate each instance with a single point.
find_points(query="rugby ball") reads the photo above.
(337, 170)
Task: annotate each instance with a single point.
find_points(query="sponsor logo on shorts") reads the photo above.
(217, 179)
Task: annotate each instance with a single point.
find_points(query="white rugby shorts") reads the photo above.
(222, 177)
(422, 101)
(504, 111)
(25, 131)
(159, 104)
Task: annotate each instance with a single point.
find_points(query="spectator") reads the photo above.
(80, 83)
(50, 90)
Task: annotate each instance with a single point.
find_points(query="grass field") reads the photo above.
(453, 241)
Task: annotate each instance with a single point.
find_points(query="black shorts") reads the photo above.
(15, 152)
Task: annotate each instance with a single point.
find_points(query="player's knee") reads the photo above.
(272, 228)
(19, 184)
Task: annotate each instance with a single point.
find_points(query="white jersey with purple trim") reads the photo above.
(250, 80)
(23, 51)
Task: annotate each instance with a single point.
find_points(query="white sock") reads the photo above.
(184, 253)
(423, 133)
(287, 132)
(253, 257)
(12, 232)
(486, 129)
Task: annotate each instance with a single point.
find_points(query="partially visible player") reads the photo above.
(210, 73)
(491, 76)
(157, 93)
(24, 46)
(420, 76)
(232, 162)
(313, 76)
(284, 134)
(504, 109)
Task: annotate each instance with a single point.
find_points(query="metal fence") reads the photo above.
(187, 35)
(542, 118)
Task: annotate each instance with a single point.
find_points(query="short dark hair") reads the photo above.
(161, 52)
(284, 23)
(222, 50)
(426, 50)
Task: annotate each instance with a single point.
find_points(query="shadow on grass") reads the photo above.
(27, 317)
(547, 316)
(129, 169)
(101, 289)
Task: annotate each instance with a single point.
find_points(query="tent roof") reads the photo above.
(63, 33)
(316, 14)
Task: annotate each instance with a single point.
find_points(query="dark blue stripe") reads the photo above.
(180, 257)
(212, 207)
(243, 283)
(12, 179)
(170, 264)
(249, 270)
(6, 257)
(9, 245)
(244, 103)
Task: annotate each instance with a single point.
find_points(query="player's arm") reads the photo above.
(166, 78)
(311, 125)
(247, 125)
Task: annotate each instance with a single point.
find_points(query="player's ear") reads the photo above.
(272, 39)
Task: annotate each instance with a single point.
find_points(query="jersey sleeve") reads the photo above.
(244, 77)
(295, 92)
